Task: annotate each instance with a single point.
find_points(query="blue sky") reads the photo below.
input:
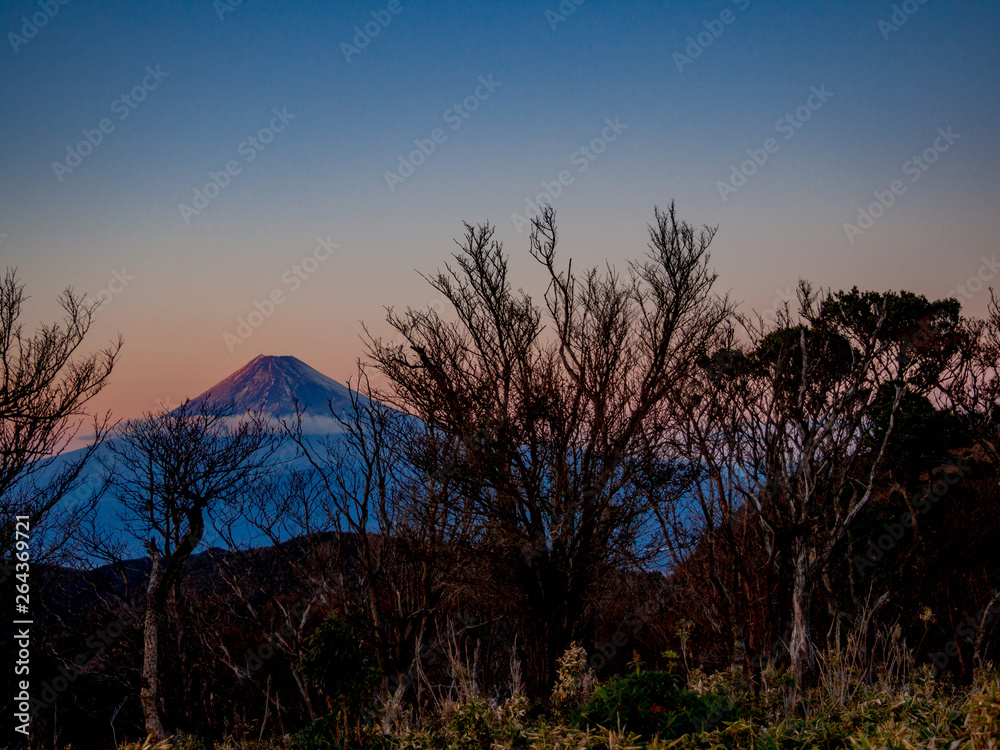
(323, 175)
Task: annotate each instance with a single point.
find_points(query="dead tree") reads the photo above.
(171, 473)
(44, 393)
(545, 409)
(397, 539)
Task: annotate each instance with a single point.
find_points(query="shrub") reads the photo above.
(473, 724)
(328, 733)
(339, 662)
(650, 703)
(183, 742)
(148, 745)
(470, 725)
(575, 681)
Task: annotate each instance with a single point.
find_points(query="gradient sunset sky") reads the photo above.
(696, 89)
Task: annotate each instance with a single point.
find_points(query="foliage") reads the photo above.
(649, 703)
(875, 719)
(339, 662)
(559, 737)
(326, 733)
(575, 681)
(183, 742)
(544, 408)
(149, 744)
(547, 456)
(711, 712)
(923, 434)
(471, 725)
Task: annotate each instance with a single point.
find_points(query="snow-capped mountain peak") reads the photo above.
(273, 384)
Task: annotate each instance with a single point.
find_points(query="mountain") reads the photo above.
(274, 384)
(269, 384)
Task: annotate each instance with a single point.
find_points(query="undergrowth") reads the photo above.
(857, 706)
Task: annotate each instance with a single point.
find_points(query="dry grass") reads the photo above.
(870, 695)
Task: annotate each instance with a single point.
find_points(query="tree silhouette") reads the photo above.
(171, 473)
(545, 411)
(43, 398)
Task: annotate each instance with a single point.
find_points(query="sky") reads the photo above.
(235, 178)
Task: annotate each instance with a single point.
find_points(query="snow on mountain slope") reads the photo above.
(273, 384)
(269, 384)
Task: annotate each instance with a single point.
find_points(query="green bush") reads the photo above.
(184, 741)
(341, 664)
(471, 725)
(650, 703)
(327, 733)
(317, 736)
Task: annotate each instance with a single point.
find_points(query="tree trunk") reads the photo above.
(802, 652)
(992, 607)
(739, 659)
(162, 576)
(183, 669)
(554, 615)
(304, 692)
(149, 695)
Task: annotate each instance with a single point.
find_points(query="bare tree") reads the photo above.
(278, 576)
(544, 427)
(171, 473)
(43, 399)
(397, 542)
(712, 546)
